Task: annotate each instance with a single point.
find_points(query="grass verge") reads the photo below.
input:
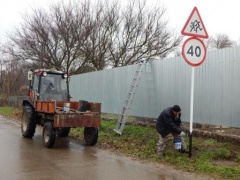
(9, 111)
(212, 158)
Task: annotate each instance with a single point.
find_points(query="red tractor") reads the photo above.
(48, 104)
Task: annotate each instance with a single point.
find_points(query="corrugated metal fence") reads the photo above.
(167, 82)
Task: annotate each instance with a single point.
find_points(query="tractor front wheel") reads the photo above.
(28, 124)
(91, 135)
(49, 135)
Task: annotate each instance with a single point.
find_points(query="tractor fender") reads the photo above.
(28, 102)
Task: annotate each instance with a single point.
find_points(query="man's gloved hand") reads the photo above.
(182, 133)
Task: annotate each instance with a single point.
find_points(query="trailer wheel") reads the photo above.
(28, 124)
(91, 135)
(63, 132)
(49, 135)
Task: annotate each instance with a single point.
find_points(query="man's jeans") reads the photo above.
(164, 142)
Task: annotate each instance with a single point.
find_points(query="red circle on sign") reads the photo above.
(189, 45)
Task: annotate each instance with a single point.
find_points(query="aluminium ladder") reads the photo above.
(122, 118)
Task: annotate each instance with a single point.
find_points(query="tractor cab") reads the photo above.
(48, 85)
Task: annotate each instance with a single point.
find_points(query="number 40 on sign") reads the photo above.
(194, 51)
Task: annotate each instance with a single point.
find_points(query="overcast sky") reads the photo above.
(219, 16)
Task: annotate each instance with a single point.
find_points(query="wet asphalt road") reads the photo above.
(28, 159)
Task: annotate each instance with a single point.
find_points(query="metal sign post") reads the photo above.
(194, 53)
(191, 112)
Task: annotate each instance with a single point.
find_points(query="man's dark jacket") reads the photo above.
(167, 123)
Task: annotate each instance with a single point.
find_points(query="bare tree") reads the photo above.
(102, 23)
(82, 37)
(219, 41)
(142, 34)
(51, 39)
(12, 78)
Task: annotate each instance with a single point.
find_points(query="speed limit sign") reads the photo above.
(194, 51)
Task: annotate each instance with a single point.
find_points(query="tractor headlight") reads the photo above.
(44, 73)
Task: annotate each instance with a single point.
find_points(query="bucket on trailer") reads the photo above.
(66, 107)
(178, 143)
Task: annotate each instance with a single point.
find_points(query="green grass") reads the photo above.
(8, 111)
(140, 142)
(238, 157)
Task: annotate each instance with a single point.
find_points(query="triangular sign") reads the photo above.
(194, 25)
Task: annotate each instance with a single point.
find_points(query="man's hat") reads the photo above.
(176, 108)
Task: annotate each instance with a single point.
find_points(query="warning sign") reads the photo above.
(194, 25)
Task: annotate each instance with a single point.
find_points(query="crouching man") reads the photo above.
(169, 122)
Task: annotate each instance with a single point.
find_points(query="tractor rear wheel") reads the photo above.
(28, 124)
(91, 135)
(63, 132)
(49, 135)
